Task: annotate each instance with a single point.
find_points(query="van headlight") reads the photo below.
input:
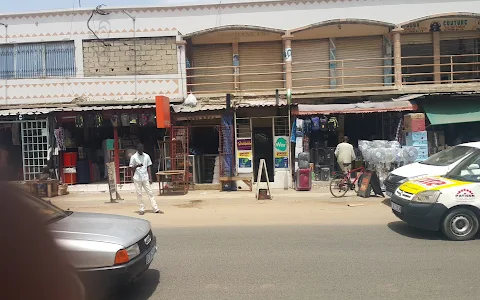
(426, 197)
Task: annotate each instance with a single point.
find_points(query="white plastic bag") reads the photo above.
(191, 100)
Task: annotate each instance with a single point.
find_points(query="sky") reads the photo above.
(36, 5)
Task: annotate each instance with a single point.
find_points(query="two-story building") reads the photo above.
(347, 59)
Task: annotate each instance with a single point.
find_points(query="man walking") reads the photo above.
(140, 164)
(345, 155)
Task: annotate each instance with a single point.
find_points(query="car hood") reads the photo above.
(105, 228)
(418, 169)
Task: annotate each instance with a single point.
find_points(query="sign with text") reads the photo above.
(244, 155)
(443, 24)
(280, 152)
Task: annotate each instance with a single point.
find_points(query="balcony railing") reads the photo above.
(450, 69)
(345, 73)
(230, 79)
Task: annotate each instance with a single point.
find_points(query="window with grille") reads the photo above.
(243, 128)
(39, 60)
(281, 126)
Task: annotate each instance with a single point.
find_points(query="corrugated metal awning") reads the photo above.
(43, 111)
(180, 108)
(354, 108)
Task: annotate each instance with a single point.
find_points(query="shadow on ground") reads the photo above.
(142, 289)
(408, 231)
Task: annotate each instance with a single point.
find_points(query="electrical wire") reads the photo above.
(99, 11)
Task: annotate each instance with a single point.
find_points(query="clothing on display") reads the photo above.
(60, 138)
(115, 121)
(98, 121)
(125, 119)
(315, 124)
(79, 122)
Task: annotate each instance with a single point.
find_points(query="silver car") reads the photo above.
(106, 250)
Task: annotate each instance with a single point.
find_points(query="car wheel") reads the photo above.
(460, 224)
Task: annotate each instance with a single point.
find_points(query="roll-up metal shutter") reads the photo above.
(362, 60)
(459, 35)
(416, 38)
(208, 58)
(417, 57)
(261, 66)
(310, 64)
(459, 56)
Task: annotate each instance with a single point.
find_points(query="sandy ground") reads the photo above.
(212, 208)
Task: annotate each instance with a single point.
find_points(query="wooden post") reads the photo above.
(287, 55)
(437, 76)
(397, 56)
(116, 151)
(236, 64)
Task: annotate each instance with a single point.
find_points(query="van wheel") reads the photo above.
(460, 224)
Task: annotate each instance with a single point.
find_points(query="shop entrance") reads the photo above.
(263, 148)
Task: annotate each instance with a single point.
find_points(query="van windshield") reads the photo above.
(468, 170)
(448, 156)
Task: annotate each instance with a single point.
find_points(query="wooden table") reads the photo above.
(162, 179)
(52, 187)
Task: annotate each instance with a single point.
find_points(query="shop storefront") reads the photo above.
(263, 133)
(205, 140)
(25, 143)
(319, 129)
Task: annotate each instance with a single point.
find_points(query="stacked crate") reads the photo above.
(416, 135)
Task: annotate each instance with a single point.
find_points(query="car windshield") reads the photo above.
(468, 170)
(448, 156)
(48, 211)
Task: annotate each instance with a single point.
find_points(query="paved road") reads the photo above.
(309, 262)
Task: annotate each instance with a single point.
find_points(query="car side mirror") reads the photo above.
(473, 167)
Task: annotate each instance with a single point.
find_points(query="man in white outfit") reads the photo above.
(140, 164)
(345, 155)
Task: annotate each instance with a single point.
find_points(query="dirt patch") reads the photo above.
(190, 204)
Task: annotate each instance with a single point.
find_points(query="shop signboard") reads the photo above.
(281, 152)
(443, 24)
(244, 155)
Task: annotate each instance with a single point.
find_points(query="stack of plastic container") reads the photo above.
(415, 134)
(70, 167)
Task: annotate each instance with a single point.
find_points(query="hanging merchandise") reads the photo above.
(299, 127)
(143, 120)
(332, 124)
(79, 123)
(115, 121)
(152, 120)
(294, 132)
(133, 119)
(98, 121)
(315, 124)
(307, 126)
(60, 138)
(323, 123)
(90, 121)
(125, 119)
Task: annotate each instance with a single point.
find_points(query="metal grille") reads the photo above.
(226, 148)
(35, 140)
(243, 128)
(281, 126)
(37, 60)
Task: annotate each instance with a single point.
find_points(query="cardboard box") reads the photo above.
(419, 138)
(414, 122)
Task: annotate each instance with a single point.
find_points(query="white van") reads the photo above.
(436, 165)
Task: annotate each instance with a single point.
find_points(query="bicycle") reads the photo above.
(342, 182)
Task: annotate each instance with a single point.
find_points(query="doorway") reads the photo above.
(263, 148)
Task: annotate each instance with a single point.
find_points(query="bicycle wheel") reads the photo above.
(339, 186)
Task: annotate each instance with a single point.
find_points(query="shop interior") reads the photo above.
(203, 156)
(87, 147)
(11, 152)
(322, 133)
